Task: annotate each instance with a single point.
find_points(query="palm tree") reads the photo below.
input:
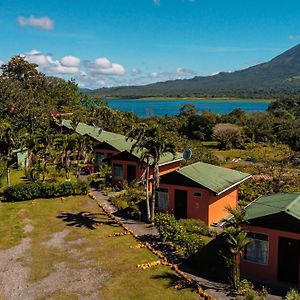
(6, 146)
(65, 144)
(237, 241)
(151, 144)
(83, 147)
(45, 143)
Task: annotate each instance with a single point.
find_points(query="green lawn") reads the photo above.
(87, 242)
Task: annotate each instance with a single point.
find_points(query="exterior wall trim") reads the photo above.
(170, 162)
(235, 184)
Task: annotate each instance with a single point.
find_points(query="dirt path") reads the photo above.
(82, 282)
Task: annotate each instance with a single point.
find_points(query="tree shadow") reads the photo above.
(84, 219)
(172, 279)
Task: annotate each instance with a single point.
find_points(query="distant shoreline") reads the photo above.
(227, 99)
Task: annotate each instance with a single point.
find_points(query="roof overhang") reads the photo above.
(233, 185)
(170, 162)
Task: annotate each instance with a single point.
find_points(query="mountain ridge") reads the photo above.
(277, 77)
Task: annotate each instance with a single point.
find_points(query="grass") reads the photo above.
(113, 254)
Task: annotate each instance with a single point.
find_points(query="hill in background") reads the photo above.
(273, 79)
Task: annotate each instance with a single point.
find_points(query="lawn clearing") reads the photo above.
(61, 249)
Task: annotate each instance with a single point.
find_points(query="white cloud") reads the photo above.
(1, 62)
(43, 23)
(70, 61)
(295, 37)
(46, 63)
(135, 71)
(104, 66)
(185, 72)
(179, 73)
(215, 73)
(156, 2)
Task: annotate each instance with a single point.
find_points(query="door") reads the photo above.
(131, 173)
(180, 204)
(288, 260)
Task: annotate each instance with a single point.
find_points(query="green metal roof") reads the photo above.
(217, 179)
(120, 144)
(67, 124)
(118, 141)
(288, 203)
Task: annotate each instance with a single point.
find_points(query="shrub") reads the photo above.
(131, 202)
(29, 191)
(174, 232)
(102, 179)
(247, 291)
(196, 227)
(292, 295)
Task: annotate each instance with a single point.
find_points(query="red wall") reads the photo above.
(269, 271)
(105, 152)
(209, 207)
(139, 171)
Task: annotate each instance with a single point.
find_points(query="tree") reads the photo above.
(228, 135)
(199, 127)
(83, 148)
(188, 110)
(6, 146)
(151, 144)
(66, 145)
(237, 241)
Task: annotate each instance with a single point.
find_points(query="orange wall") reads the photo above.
(208, 208)
(168, 168)
(269, 271)
(218, 204)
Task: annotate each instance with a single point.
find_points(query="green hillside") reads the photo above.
(278, 77)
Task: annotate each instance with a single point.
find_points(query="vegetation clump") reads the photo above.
(34, 190)
(178, 235)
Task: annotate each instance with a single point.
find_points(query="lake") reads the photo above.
(161, 107)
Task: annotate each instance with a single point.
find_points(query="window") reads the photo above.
(162, 196)
(99, 158)
(257, 251)
(118, 172)
(197, 194)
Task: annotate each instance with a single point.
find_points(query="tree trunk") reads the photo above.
(147, 191)
(155, 183)
(153, 203)
(8, 175)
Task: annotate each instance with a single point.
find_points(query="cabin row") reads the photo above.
(204, 191)
(200, 191)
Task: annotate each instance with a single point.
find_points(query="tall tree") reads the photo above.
(65, 145)
(151, 144)
(6, 146)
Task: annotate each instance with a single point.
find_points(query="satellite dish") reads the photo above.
(100, 131)
(187, 154)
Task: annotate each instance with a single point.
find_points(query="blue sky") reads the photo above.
(125, 42)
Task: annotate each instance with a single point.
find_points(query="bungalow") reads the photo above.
(200, 191)
(273, 224)
(105, 143)
(126, 165)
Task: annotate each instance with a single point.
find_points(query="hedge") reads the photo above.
(29, 191)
